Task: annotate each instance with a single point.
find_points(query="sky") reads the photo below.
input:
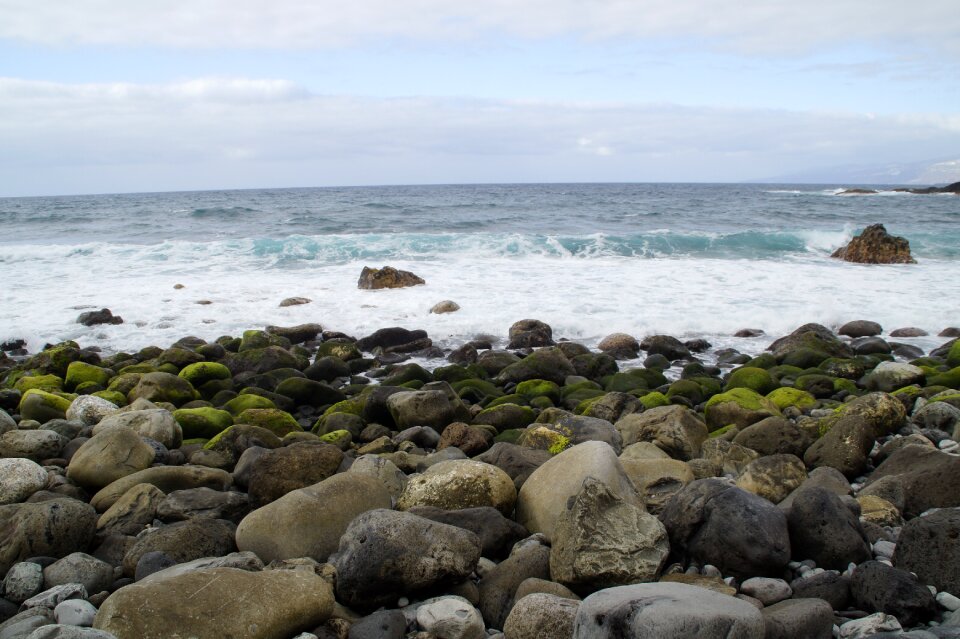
(104, 96)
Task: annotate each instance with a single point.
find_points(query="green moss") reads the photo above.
(506, 416)
(213, 441)
(138, 368)
(255, 339)
(817, 385)
(511, 436)
(654, 399)
(482, 386)
(56, 359)
(764, 360)
(756, 379)
(723, 430)
(786, 396)
(744, 397)
(124, 383)
(241, 403)
(950, 379)
(519, 400)
(196, 441)
(273, 419)
(451, 374)
(404, 374)
(202, 422)
(114, 397)
(353, 406)
(345, 351)
(339, 438)
(200, 373)
(49, 383)
(539, 388)
(541, 402)
(81, 372)
(572, 400)
(586, 404)
(42, 406)
(687, 389)
(845, 385)
(570, 389)
(783, 372)
(846, 368)
(560, 445)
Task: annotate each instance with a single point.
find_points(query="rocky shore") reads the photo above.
(298, 483)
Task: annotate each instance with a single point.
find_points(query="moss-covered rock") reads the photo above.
(341, 349)
(547, 364)
(506, 416)
(654, 399)
(452, 374)
(406, 373)
(178, 357)
(846, 368)
(49, 383)
(544, 438)
(953, 355)
(263, 360)
(81, 373)
(199, 373)
(339, 421)
(275, 420)
(817, 385)
(686, 388)
(764, 360)
(482, 387)
(512, 398)
(634, 379)
(510, 436)
(307, 392)
(114, 397)
(339, 438)
(785, 374)
(950, 378)
(353, 406)
(163, 387)
(739, 406)
(42, 406)
(56, 359)
(244, 402)
(202, 422)
(254, 339)
(539, 388)
(756, 379)
(785, 396)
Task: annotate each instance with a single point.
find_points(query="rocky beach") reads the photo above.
(297, 482)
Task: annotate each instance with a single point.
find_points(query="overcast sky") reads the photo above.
(118, 95)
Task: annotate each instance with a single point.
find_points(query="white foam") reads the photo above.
(582, 298)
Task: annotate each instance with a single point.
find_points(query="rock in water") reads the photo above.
(103, 316)
(876, 246)
(219, 602)
(387, 277)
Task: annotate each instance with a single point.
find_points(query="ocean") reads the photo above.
(689, 260)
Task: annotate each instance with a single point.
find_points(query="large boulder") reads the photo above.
(529, 333)
(808, 346)
(37, 445)
(875, 246)
(543, 497)
(928, 546)
(109, 455)
(602, 540)
(155, 423)
(182, 541)
(845, 447)
(166, 478)
(877, 587)
(163, 387)
(549, 364)
(740, 407)
(823, 529)
(657, 480)
(387, 277)
(928, 477)
(773, 477)
(710, 521)
(53, 528)
(674, 429)
(391, 338)
(889, 376)
(281, 470)
(433, 408)
(309, 522)
(460, 483)
(385, 554)
(666, 611)
(219, 602)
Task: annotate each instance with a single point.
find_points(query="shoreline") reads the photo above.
(284, 463)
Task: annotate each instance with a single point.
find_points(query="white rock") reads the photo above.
(766, 589)
(23, 580)
(20, 478)
(75, 612)
(451, 618)
(948, 601)
(90, 409)
(883, 548)
(870, 625)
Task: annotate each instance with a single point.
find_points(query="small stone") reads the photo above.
(295, 301)
(948, 601)
(446, 306)
(20, 478)
(870, 625)
(75, 612)
(766, 589)
(52, 596)
(387, 277)
(451, 618)
(23, 580)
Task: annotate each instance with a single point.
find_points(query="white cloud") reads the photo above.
(751, 26)
(212, 133)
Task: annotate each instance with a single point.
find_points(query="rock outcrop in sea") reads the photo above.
(296, 483)
(875, 246)
(387, 277)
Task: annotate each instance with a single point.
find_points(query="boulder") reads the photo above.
(424, 408)
(601, 540)
(861, 328)
(823, 529)
(20, 478)
(267, 604)
(296, 334)
(928, 477)
(666, 345)
(657, 480)
(517, 461)
(774, 435)
(497, 533)
(132, 512)
(79, 568)
(109, 455)
(808, 346)
(875, 246)
(460, 483)
(808, 618)
(446, 306)
(889, 376)
(541, 616)
(383, 470)
(577, 429)
(829, 585)
(548, 364)
(203, 503)
(53, 528)
(845, 447)
(385, 554)
(90, 409)
(95, 318)
(666, 611)
(182, 541)
(740, 407)
(529, 333)
(388, 338)
(710, 521)
(877, 587)
(773, 477)
(387, 277)
(36, 445)
(928, 546)
(528, 559)
(620, 345)
(674, 429)
(166, 478)
(543, 497)
(163, 387)
(309, 522)
(281, 470)
(452, 617)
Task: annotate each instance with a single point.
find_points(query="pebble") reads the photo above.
(51, 597)
(870, 625)
(948, 601)
(766, 589)
(75, 612)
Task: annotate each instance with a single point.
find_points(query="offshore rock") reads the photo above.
(529, 333)
(103, 316)
(875, 246)
(387, 277)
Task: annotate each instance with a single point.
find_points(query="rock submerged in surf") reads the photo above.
(103, 316)
(387, 277)
(876, 246)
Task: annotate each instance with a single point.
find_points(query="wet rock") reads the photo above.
(183, 541)
(133, 511)
(860, 328)
(111, 454)
(928, 477)
(497, 533)
(383, 624)
(829, 585)
(22, 581)
(446, 306)
(657, 480)
(387, 277)
(530, 333)
(103, 316)
(875, 246)
(620, 345)
(529, 559)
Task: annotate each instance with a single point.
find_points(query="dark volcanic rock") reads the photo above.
(497, 533)
(529, 333)
(929, 478)
(929, 547)
(103, 316)
(876, 246)
(389, 338)
(713, 522)
(387, 277)
(52, 528)
(822, 528)
(279, 471)
(666, 345)
(882, 588)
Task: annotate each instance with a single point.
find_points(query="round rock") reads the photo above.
(457, 484)
(541, 616)
(20, 478)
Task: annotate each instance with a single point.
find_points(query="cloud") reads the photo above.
(749, 26)
(220, 133)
